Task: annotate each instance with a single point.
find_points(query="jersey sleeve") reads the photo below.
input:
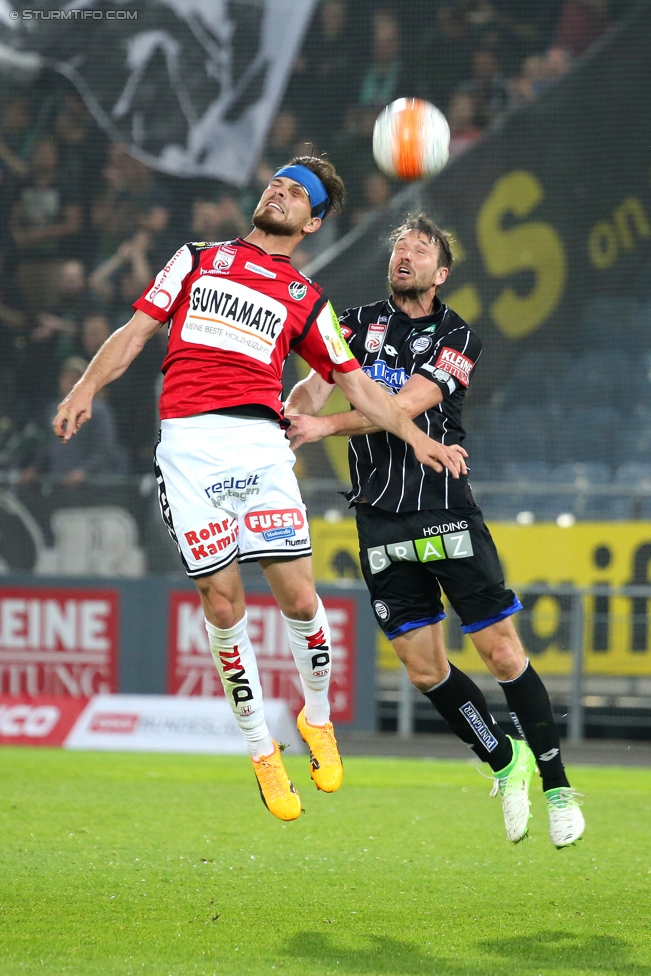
(453, 362)
(163, 295)
(323, 346)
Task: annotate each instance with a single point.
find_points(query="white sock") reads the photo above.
(310, 644)
(235, 661)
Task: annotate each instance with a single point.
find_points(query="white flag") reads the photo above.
(189, 86)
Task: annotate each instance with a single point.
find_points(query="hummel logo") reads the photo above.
(546, 756)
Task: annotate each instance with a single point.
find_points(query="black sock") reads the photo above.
(531, 711)
(460, 702)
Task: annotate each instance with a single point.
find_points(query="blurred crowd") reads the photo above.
(85, 226)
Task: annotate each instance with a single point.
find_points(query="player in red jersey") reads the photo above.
(224, 466)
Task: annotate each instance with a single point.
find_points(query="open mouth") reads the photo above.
(275, 206)
(403, 271)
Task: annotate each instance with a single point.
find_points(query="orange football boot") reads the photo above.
(278, 793)
(326, 767)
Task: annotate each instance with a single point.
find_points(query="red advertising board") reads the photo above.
(41, 721)
(191, 670)
(58, 641)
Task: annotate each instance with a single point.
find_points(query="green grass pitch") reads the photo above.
(155, 864)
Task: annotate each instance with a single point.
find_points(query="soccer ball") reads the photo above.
(411, 139)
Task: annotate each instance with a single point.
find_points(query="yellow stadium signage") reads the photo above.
(601, 556)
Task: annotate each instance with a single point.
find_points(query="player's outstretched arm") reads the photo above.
(108, 363)
(417, 396)
(306, 400)
(387, 414)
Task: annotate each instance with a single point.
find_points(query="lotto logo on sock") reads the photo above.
(547, 756)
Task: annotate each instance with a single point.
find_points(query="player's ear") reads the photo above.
(441, 275)
(312, 225)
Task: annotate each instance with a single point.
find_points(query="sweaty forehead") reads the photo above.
(411, 237)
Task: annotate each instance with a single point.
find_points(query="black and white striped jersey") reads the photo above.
(391, 347)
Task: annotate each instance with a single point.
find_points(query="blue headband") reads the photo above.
(316, 191)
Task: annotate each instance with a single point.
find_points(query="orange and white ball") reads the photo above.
(411, 139)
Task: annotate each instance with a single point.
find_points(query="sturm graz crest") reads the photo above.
(297, 290)
(189, 86)
(381, 610)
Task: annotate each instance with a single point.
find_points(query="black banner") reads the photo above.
(549, 211)
(189, 86)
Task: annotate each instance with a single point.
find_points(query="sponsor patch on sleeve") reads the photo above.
(169, 282)
(328, 325)
(456, 364)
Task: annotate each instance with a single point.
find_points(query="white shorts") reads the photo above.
(227, 490)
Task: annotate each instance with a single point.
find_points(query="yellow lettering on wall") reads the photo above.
(547, 556)
(602, 245)
(606, 238)
(629, 217)
(465, 302)
(532, 246)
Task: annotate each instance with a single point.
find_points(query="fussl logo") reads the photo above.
(291, 518)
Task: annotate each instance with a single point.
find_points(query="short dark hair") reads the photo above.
(328, 175)
(423, 224)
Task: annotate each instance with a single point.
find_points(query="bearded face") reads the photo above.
(413, 266)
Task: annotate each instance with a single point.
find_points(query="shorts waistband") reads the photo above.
(214, 421)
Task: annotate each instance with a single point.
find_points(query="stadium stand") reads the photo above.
(85, 226)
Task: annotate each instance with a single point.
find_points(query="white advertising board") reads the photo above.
(172, 723)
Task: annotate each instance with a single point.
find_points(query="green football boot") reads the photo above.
(512, 783)
(566, 822)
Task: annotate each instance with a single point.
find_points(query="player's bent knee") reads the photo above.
(221, 612)
(223, 608)
(426, 680)
(506, 659)
(302, 606)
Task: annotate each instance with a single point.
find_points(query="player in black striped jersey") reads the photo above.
(421, 532)
(392, 348)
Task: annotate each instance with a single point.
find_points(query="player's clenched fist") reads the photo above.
(72, 412)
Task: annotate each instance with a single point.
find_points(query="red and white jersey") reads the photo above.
(236, 312)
